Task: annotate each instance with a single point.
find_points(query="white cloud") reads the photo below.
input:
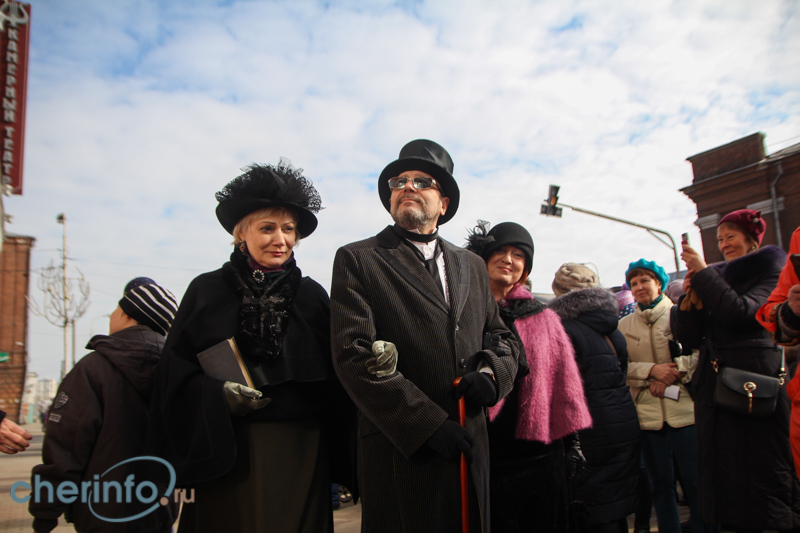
(139, 111)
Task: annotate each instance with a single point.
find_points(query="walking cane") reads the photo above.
(462, 419)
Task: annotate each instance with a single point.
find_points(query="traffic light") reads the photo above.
(551, 208)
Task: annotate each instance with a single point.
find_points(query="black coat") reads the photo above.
(611, 445)
(745, 473)
(97, 420)
(191, 426)
(382, 291)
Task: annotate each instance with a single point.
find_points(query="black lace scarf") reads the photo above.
(266, 301)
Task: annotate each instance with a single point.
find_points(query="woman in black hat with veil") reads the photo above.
(535, 450)
(257, 457)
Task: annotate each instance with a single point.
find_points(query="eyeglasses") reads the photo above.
(420, 183)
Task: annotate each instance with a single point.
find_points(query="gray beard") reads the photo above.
(410, 219)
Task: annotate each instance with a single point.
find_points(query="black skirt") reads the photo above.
(279, 483)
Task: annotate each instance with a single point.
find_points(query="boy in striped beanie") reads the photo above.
(98, 419)
(149, 304)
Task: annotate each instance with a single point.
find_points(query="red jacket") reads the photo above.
(768, 318)
(767, 315)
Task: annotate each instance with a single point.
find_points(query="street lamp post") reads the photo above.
(62, 219)
(551, 208)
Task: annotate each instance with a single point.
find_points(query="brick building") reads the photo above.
(14, 283)
(741, 175)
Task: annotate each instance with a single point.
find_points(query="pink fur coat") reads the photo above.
(551, 400)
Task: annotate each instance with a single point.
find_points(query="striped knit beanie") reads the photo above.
(149, 304)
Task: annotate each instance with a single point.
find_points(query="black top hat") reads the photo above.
(267, 186)
(425, 156)
(484, 243)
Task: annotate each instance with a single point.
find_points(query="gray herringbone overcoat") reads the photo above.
(382, 291)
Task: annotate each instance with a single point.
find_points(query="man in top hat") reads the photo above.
(409, 313)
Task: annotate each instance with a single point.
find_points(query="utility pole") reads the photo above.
(61, 219)
(59, 306)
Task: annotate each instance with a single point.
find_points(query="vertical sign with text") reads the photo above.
(14, 40)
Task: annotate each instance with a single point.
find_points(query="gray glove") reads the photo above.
(241, 399)
(385, 362)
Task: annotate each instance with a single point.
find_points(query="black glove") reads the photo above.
(241, 399)
(478, 389)
(451, 440)
(498, 343)
(576, 461)
(675, 348)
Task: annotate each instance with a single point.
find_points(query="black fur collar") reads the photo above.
(766, 259)
(575, 303)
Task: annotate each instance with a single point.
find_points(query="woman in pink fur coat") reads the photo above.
(532, 432)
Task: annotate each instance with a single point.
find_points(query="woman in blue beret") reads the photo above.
(666, 411)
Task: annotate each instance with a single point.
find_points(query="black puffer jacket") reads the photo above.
(745, 473)
(611, 446)
(97, 420)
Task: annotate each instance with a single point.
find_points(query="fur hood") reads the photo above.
(742, 269)
(574, 303)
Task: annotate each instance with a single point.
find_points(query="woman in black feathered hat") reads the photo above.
(259, 457)
(533, 431)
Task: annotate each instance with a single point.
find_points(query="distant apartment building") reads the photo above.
(45, 391)
(741, 175)
(14, 286)
(29, 409)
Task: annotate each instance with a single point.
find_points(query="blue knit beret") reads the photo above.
(660, 273)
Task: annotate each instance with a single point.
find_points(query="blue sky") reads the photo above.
(138, 111)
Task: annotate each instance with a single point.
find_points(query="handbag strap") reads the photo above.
(715, 362)
(608, 340)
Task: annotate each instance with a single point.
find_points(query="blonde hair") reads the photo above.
(243, 225)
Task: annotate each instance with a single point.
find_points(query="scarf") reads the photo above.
(511, 311)
(652, 304)
(552, 404)
(413, 236)
(267, 297)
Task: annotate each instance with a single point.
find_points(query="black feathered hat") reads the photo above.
(425, 156)
(267, 186)
(484, 242)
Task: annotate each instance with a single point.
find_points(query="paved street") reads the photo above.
(14, 517)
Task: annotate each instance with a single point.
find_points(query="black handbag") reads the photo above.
(747, 393)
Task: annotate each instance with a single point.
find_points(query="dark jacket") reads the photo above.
(191, 425)
(382, 291)
(97, 420)
(611, 446)
(745, 473)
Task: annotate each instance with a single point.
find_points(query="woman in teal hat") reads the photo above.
(666, 412)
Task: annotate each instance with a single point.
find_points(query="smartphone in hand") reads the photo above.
(795, 258)
(685, 239)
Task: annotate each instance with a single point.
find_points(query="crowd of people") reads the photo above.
(433, 384)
